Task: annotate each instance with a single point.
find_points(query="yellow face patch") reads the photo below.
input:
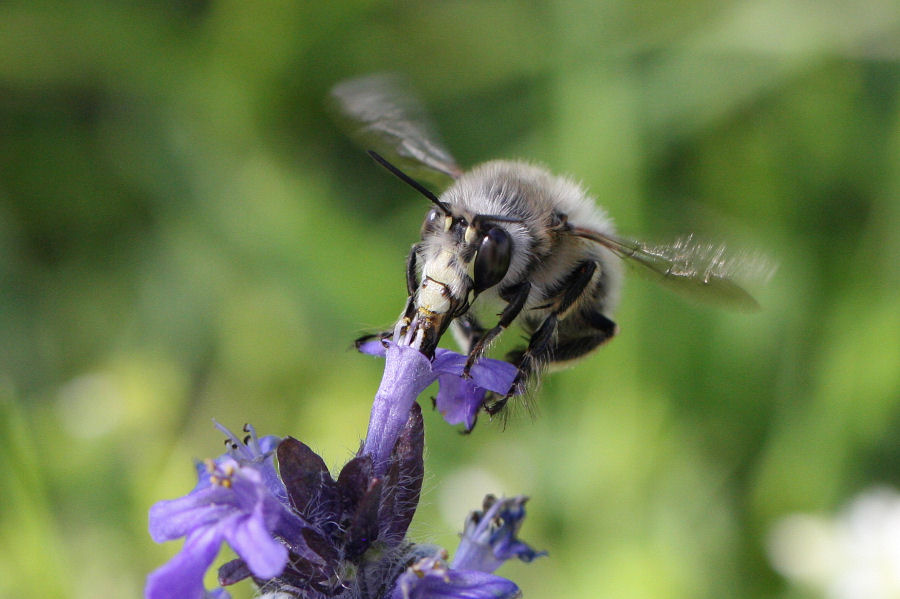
(471, 234)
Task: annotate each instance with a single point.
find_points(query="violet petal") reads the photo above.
(406, 374)
(172, 519)
(372, 347)
(487, 373)
(182, 576)
(489, 537)
(250, 539)
(459, 400)
(430, 579)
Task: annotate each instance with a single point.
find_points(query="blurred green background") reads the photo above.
(185, 235)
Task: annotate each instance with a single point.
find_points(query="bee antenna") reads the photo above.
(410, 181)
(495, 218)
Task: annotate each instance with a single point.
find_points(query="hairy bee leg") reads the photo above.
(467, 331)
(536, 355)
(516, 296)
(576, 284)
(542, 345)
(603, 329)
(382, 335)
(412, 281)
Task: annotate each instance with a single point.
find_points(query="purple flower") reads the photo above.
(232, 502)
(307, 534)
(301, 533)
(407, 372)
(255, 451)
(488, 540)
(489, 537)
(431, 578)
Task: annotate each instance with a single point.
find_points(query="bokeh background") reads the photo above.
(186, 235)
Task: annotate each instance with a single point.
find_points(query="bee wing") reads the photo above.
(699, 270)
(382, 113)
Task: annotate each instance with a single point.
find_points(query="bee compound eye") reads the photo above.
(432, 219)
(492, 259)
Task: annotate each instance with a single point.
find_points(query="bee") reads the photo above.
(512, 241)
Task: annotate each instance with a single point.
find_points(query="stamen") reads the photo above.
(220, 475)
(243, 450)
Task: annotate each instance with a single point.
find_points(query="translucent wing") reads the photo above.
(382, 113)
(700, 270)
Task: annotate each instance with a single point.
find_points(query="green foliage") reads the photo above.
(185, 235)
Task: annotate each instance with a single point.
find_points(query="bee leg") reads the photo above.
(516, 296)
(467, 331)
(369, 337)
(412, 281)
(540, 348)
(543, 343)
(596, 329)
(601, 323)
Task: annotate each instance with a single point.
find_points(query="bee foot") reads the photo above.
(494, 405)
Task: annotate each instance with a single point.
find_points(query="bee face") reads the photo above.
(485, 249)
(461, 255)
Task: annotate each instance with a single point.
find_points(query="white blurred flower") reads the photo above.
(854, 555)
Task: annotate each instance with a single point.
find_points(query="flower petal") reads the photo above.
(487, 373)
(256, 452)
(429, 579)
(406, 374)
(459, 400)
(249, 538)
(182, 576)
(373, 347)
(489, 537)
(174, 518)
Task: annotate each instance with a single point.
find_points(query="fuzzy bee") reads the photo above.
(511, 243)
